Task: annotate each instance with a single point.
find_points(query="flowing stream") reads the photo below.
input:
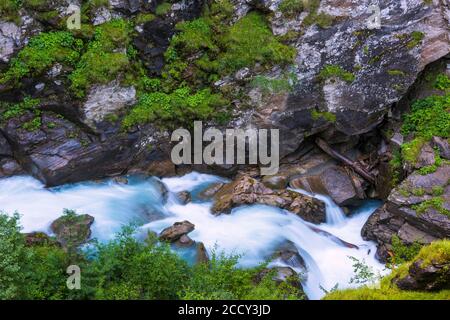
(251, 231)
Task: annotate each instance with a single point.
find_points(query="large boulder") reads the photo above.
(59, 151)
(418, 210)
(343, 187)
(350, 74)
(72, 230)
(175, 232)
(247, 190)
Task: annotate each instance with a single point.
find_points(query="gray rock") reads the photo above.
(105, 100)
(443, 147)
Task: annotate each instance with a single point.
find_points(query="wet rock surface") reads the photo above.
(72, 230)
(247, 190)
(177, 231)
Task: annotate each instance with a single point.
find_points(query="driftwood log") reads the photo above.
(354, 165)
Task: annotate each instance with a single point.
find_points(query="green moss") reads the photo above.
(436, 203)
(437, 191)
(411, 150)
(163, 8)
(33, 125)
(41, 53)
(327, 116)
(416, 38)
(251, 41)
(402, 253)
(438, 252)
(335, 71)
(143, 18)
(180, 106)
(395, 72)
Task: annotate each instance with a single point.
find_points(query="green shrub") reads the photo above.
(9, 10)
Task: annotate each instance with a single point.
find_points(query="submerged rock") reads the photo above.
(176, 231)
(72, 230)
(184, 196)
(210, 191)
(247, 190)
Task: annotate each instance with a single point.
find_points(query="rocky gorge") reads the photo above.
(363, 112)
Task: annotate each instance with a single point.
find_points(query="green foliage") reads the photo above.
(41, 53)
(101, 63)
(442, 82)
(123, 268)
(12, 256)
(363, 272)
(181, 105)
(335, 71)
(429, 117)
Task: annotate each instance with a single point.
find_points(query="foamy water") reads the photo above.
(251, 231)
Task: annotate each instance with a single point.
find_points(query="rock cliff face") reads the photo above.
(346, 78)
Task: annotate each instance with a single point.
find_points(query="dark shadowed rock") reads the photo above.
(176, 231)
(342, 187)
(425, 277)
(184, 241)
(247, 190)
(201, 253)
(72, 230)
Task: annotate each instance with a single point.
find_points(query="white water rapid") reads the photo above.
(252, 231)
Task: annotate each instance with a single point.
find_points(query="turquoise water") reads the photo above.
(251, 231)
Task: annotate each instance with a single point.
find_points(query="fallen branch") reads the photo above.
(336, 155)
